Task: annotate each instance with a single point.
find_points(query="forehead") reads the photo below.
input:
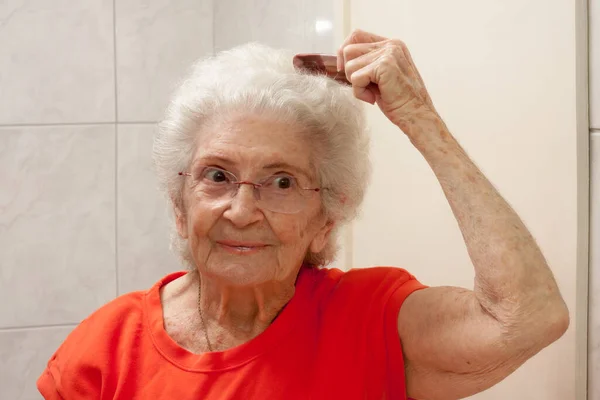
(254, 143)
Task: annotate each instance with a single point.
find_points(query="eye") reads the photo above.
(282, 182)
(215, 175)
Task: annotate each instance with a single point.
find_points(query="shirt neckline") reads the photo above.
(220, 360)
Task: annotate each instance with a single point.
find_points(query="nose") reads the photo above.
(243, 210)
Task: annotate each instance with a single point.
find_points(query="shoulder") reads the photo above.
(372, 285)
(377, 276)
(360, 278)
(358, 311)
(80, 363)
(97, 331)
(123, 314)
(97, 343)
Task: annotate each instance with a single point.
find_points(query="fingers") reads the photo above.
(362, 83)
(365, 60)
(377, 66)
(353, 51)
(359, 70)
(357, 36)
(358, 56)
(365, 81)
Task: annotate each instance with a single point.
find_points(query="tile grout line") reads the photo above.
(36, 327)
(116, 137)
(76, 124)
(593, 131)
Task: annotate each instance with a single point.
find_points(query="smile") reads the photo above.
(241, 249)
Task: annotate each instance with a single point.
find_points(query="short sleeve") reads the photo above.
(48, 382)
(367, 302)
(71, 370)
(395, 359)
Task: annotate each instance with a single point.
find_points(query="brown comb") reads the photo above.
(320, 64)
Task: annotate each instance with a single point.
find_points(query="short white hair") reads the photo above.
(256, 79)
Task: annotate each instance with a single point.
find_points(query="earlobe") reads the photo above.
(320, 240)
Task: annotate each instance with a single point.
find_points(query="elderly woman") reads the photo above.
(263, 163)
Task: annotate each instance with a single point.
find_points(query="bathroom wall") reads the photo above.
(509, 78)
(594, 287)
(82, 84)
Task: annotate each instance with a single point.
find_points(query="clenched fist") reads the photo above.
(382, 71)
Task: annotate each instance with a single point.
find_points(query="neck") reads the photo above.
(242, 310)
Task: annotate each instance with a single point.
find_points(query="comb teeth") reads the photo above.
(320, 64)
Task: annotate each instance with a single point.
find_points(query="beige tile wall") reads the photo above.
(504, 76)
(594, 46)
(142, 222)
(157, 39)
(594, 284)
(56, 61)
(82, 84)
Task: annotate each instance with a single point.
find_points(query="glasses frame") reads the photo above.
(255, 185)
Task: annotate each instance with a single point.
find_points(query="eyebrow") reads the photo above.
(284, 165)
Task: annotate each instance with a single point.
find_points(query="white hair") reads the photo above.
(257, 79)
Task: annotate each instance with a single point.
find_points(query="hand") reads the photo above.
(382, 71)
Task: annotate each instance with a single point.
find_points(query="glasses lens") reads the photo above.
(215, 186)
(278, 193)
(281, 193)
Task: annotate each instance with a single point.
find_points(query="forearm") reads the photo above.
(512, 279)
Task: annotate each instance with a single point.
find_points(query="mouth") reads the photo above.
(241, 247)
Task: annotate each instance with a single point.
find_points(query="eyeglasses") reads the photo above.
(279, 193)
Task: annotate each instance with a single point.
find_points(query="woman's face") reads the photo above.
(237, 240)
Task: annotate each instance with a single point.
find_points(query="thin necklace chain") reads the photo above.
(204, 327)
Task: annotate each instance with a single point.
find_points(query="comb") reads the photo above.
(320, 64)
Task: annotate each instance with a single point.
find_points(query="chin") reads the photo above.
(241, 272)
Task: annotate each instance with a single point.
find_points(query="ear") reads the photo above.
(180, 218)
(320, 240)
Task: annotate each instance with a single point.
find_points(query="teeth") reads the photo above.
(243, 248)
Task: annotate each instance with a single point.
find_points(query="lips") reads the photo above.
(241, 248)
(247, 245)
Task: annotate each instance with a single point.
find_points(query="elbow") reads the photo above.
(554, 315)
(558, 320)
(549, 317)
(535, 326)
(547, 325)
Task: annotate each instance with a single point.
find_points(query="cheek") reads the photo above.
(296, 229)
(290, 230)
(201, 220)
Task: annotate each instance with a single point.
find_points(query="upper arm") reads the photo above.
(74, 370)
(452, 347)
(47, 386)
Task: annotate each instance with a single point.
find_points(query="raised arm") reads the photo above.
(458, 342)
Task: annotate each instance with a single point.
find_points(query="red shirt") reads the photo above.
(336, 339)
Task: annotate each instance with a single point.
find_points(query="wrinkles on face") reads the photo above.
(252, 148)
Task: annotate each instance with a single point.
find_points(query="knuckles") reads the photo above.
(351, 52)
(395, 48)
(356, 35)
